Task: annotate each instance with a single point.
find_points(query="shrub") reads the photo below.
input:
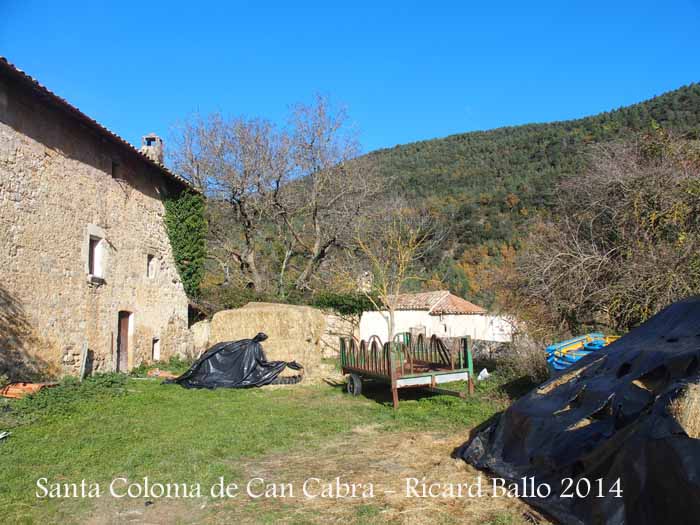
(175, 364)
(232, 296)
(526, 358)
(622, 242)
(64, 398)
(344, 304)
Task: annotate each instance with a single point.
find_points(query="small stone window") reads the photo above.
(150, 266)
(96, 257)
(155, 349)
(116, 170)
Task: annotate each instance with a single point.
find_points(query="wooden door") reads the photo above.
(123, 342)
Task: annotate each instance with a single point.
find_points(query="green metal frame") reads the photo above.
(463, 363)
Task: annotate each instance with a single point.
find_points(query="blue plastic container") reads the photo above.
(561, 356)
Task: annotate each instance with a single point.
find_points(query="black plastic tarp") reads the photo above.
(235, 364)
(608, 418)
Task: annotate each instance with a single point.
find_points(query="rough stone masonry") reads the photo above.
(85, 261)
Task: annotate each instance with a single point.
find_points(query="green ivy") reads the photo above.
(344, 304)
(187, 229)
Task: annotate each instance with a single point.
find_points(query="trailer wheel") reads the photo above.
(354, 385)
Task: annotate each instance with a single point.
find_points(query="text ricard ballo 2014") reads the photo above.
(336, 488)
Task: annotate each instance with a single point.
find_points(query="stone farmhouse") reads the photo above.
(87, 275)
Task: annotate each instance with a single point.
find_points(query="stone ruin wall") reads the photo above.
(338, 326)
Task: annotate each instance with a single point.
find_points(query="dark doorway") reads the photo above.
(123, 341)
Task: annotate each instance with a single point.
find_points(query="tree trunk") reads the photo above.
(252, 271)
(312, 265)
(280, 280)
(391, 324)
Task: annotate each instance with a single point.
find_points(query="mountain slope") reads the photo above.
(487, 184)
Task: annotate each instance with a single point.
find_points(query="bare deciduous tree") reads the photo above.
(625, 239)
(280, 201)
(392, 245)
(331, 187)
(238, 164)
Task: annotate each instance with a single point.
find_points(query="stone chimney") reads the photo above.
(152, 147)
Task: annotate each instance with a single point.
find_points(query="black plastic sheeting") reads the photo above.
(236, 364)
(607, 418)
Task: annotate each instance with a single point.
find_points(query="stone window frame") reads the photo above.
(95, 232)
(151, 265)
(156, 345)
(116, 169)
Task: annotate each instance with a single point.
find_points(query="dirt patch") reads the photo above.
(366, 455)
(386, 460)
(111, 511)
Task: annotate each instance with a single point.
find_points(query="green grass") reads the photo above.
(367, 513)
(174, 364)
(111, 427)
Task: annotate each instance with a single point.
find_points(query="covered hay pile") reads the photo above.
(294, 332)
(686, 409)
(628, 415)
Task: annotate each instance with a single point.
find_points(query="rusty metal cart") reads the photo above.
(407, 362)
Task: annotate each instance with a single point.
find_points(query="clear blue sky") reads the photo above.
(406, 70)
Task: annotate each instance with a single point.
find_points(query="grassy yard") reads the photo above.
(112, 427)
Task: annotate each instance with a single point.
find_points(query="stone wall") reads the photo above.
(338, 326)
(60, 183)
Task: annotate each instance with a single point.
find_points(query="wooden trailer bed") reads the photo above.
(407, 362)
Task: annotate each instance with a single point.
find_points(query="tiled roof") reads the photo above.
(47, 95)
(440, 302)
(451, 304)
(419, 301)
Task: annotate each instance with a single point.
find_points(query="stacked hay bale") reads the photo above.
(294, 332)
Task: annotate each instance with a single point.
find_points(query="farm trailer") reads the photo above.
(407, 362)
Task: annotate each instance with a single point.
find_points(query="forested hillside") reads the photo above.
(486, 185)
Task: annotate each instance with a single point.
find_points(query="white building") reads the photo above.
(437, 313)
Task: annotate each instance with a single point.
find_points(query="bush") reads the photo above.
(622, 242)
(175, 364)
(344, 304)
(64, 398)
(232, 296)
(526, 358)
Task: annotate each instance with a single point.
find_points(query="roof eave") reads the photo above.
(63, 105)
(458, 313)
